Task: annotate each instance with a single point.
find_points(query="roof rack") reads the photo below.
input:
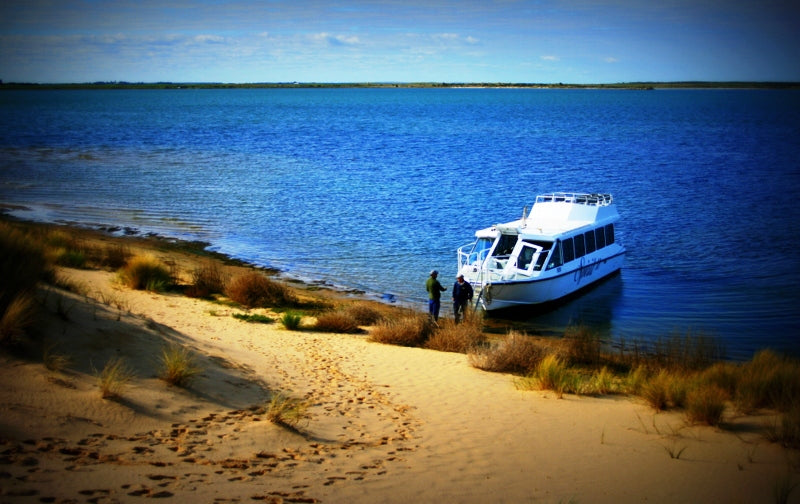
(598, 199)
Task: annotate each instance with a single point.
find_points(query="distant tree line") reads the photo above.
(219, 85)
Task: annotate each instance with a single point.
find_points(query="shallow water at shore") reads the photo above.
(371, 188)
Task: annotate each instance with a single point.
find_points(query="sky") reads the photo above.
(521, 41)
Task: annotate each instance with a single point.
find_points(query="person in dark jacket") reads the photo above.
(435, 290)
(462, 294)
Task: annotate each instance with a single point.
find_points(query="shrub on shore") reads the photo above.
(145, 272)
(460, 338)
(363, 314)
(705, 403)
(207, 279)
(337, 322)
(515, 353)
(255, 290)
(408, 330)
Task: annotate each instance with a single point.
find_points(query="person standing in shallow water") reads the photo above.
(435, 290)
(462, 294)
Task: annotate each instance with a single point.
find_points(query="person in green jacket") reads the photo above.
(435, 290)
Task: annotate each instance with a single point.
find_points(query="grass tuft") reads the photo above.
(460, 338)
(113, 378)
(363, 314)
(146, 272)
(53, 360)
(705, 404)
(291, 320)
(515, 353)
(410, 330)
(255, 290)
(553, 374)
(207, 279)
(178, 366)
(287, 411)
(337, 322)
(18, 316)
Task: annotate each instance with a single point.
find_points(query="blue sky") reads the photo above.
(541, 41)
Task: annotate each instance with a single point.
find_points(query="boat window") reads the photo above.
(600, 237)
(481, 249)
(609, 234)
(568, 249)
(589, 236)
(580, 246)
(556, 260)
(505, 245)
(525, 258)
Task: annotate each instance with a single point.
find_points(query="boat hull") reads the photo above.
(556, 285)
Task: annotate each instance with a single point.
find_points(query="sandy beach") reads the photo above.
(386, 424)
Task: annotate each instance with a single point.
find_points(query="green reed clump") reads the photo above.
(291, 320)
(552, 373)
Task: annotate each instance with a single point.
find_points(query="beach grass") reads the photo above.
(287, 411)
(113, 377)
(146, 272)
(677, 372)
(254, 290)
(461, 337)
(408, 329)
(363, 313)
(178, 366)
(705, 403)
(516, 352)
(207, 279)
(337, 321)
(291, 320)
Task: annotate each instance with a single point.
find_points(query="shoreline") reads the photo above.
(385, 423)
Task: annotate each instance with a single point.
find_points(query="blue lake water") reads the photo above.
(372, 188)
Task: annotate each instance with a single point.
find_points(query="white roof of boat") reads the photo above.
(557, 213)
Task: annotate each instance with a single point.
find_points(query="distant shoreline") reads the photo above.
(641, 86)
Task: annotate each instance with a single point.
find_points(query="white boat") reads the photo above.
(566, 243)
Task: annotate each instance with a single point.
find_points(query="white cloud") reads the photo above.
(549, 57)
(336, 40)
(610, 59)
(208, 38)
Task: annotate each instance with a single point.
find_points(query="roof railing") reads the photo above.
(598, 199)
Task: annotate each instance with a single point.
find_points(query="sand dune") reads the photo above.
(387, 424)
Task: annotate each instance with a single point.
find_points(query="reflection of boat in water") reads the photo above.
(565, 244)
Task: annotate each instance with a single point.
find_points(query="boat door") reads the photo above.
(526, 258)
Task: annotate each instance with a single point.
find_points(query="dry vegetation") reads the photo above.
(679, 372)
